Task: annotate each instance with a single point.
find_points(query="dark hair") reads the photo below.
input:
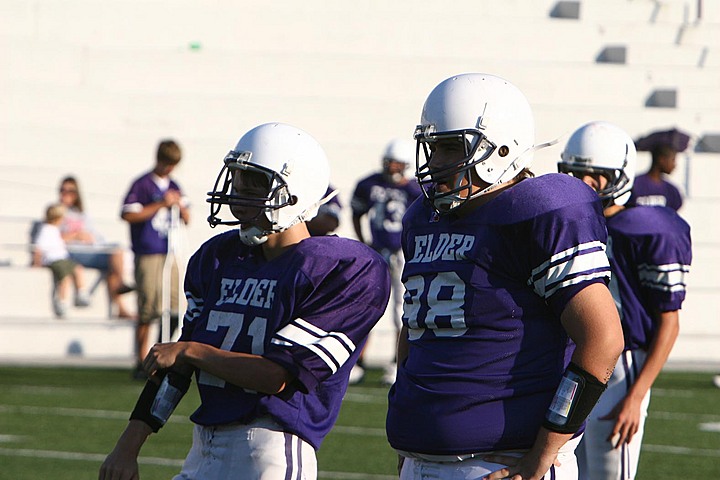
(661, 151)
(168, 152)
(78, 203)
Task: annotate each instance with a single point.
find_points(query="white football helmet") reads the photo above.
(494, 119)
(297, 170)
(601, 147)
(399, 150)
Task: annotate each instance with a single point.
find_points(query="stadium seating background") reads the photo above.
(90, 87)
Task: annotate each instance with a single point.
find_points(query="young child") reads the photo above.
(50, 251)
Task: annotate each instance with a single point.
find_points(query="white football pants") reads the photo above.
(475, 468)
(257, 451)
(597, 460)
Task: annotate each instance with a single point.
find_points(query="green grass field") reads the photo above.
(60, 423)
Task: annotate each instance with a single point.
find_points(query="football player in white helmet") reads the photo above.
(275, 321)
(398, 156)
(650, 253)
(383, 199)
(502, 271)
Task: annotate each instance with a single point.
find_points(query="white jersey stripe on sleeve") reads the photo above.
(570, 252)
(576, 280)
(669, 277)
(194, 307)
(584, 262)
(334, 348)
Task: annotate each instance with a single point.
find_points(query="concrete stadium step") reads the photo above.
(82, 339)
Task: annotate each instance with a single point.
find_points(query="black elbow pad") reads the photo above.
(158, 401)
(574, 399)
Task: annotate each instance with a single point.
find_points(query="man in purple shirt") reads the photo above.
(649, 250)
(275, 321)
(652, 189)
(509, 330)
(147, 208)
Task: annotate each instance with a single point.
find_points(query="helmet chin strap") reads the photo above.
(253, 236)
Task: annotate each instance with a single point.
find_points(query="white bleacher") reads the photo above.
(90, 87)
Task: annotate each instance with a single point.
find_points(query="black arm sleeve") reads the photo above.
(574, 399)
(158, 400)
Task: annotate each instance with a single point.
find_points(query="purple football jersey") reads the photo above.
(647, 192)
(483, 299)
(385, 203)
(650, 254)
(148, 237)
(309, 310)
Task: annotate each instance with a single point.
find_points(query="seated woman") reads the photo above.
(87, 247)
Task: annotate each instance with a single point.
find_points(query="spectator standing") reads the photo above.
(147, 208)
(652, 188)
(50, 251)
(510, 333)
(650, 253)
(384, 197)
(87, 246)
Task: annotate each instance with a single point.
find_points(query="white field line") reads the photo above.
(118, 415)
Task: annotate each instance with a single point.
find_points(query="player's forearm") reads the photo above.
(658, 353)
(133, 438)
(548, 444)
(253, 372)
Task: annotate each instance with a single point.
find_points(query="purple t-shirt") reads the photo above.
(309, 310)
(483, 299)
(149, 237)
(650, 255)
(385, 203)
(649, 193)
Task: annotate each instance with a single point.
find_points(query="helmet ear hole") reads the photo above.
(293, 199)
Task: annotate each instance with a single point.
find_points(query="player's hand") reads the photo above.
(163, 356)
(530, 466)
(121, 463)
(119, 466)
(627, 420)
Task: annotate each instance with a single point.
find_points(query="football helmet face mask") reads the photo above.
(493, 122)
(602, 148)
(293, 171)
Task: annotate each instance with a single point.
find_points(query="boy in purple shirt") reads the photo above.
(384, 197)
(509, 330)
(650, 253)
(147, 208)
(275, 321)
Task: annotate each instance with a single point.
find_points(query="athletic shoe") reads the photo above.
(357, 374)
(82, 299)
(716, 380)
(59, 308)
